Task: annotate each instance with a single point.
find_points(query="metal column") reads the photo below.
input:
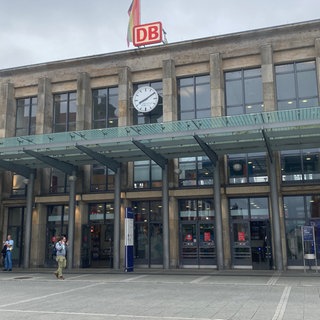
(218, 215)
(165, 221)
(71, 225)
(117, 214)
(28, 228)
(275, 215)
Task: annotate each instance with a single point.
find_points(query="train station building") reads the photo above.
(212, 143)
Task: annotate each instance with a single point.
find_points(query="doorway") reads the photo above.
(197, 244)
(252, 244)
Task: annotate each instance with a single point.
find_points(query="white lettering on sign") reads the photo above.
(149, 33)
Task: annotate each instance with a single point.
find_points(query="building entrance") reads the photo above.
(252, 244)
(197, 243)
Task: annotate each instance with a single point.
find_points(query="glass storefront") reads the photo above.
(197, 232)
(251, 233)
(148, 236)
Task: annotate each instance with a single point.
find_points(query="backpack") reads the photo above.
(54, 250)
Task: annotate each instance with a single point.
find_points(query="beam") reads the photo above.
(17, 168)
(110, 163)
(157, 158)
(207, 150)
(58, 164)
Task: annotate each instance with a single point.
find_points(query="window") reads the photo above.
(147, 174)
(101, 212)
(299, 211)
(58, 181)
(300, 165)
(105, 108)
(65, 111)
(243, 90)
(196, 209)
(26, 116)
(19, 187)
(154, 116)
(148, 232)
(102, 178)
(247, 168)
(195, 171)
(194, 97)
(296, 85)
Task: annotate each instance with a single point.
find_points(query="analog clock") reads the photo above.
(145, 99)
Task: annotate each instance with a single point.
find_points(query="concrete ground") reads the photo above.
(160, 295)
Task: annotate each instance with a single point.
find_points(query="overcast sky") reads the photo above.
(37, 31)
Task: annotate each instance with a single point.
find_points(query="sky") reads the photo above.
(40, 31)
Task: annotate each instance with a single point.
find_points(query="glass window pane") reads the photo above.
(239, 208)
(307, 84)
(186, 96)
(253, 90)
(294, 207)
(285, 87)
(234, 93)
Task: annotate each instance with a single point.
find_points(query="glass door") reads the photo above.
(198, 246)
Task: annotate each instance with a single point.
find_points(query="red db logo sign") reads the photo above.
(149, 33)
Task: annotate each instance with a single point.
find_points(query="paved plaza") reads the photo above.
(163, 295)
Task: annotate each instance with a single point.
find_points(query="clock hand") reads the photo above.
(143, 100)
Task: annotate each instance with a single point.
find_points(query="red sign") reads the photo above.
(149, 33)
(241, 236)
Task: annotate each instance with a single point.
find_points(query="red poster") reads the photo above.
(241, 236)
(207, 236)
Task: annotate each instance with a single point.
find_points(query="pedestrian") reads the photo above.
(9, 243)
(61, 247)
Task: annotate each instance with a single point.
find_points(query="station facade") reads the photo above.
(78, 147)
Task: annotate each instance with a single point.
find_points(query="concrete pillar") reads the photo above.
(169, 91)
(44, 116)
(165, 218)
(117, 220)
(84, 102)
(125, 94)
(216, 85)
(268, 78)
(317, 50)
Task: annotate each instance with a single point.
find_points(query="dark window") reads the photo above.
(247, 168)
(194, 97)
(105, 108)
(243, 90)
(296, 85)
(102, 178)
(300, 165)
(26, 116)
(65, 111)
(147, 174)
(195, 171)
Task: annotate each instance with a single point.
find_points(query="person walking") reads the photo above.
(9, 243)
(61, 247)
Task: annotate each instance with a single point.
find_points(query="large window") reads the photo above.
(148, 241)
(195, 171)
(65, 111)
(147, 174)
(26, 116)
(102, 178)
(243, 89)
(300, 165)
(105, 108)
(154, 116)
(194, 97)
(247, 168)
(296, 85)
(299, 211)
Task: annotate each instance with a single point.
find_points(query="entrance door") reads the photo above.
(197, 243)
(252, 244)
(261, 244)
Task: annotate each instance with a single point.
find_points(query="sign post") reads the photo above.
(308, 246)
(128, 240)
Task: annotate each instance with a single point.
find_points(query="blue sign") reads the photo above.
(307, 233)
(128, 241)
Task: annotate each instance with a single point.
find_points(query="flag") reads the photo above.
(134, 18)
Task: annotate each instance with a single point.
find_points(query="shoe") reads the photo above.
(56, 274)
(4, 269)
(9, 269)
(61, 278)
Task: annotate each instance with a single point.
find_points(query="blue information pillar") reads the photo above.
(128, 240)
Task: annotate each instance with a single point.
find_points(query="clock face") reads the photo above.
(145, 99)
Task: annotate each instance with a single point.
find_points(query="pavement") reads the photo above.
(152, 294)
